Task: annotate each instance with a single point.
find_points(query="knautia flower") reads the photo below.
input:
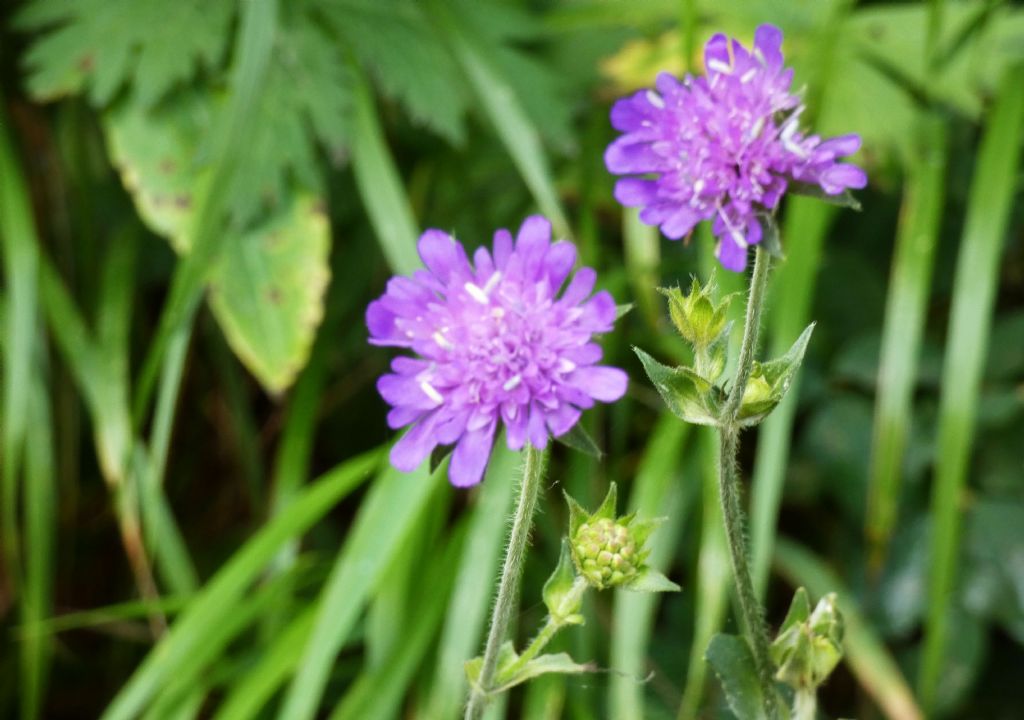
(493, 342)
(722, 147)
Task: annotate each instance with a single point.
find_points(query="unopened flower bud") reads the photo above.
(810, 644)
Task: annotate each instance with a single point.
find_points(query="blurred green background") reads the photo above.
(198, 198)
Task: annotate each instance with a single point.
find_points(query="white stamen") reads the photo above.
(431, 392)
(755, 131)
(748, 75)
(566, 366)
(512, 383)
(498, 313)
(738, 237)
(492, 281)
(720, 67)
(477, 294)
(698, 187)
(442, 341)
(655, 99)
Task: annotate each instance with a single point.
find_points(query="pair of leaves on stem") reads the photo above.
(691, 393)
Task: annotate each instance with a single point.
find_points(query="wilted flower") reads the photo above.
(722, 147)
(494, 341)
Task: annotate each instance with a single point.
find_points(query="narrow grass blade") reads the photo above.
(378, 691)
(909, 287)
(20, 256)
(505, 111)
(658, 491)
(471, 597)
(256, 32)
(380, 185)
(643, 257)
(256, 687)
(993, 188)
(789, 306)
(714, 576)
(40, 536)
(220, 597)
(865, 653)
(385, 519)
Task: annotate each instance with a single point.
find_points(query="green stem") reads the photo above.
(805, 704)
(729, 487)
(511, 575)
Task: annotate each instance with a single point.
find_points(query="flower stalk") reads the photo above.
(511, 576)
(729, 486)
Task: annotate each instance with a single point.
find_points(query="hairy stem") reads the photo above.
(729, 486)
(550, 629)
(508, 586)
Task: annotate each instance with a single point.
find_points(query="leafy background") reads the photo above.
(198, 199)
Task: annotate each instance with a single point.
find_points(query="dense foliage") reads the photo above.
(199, 199)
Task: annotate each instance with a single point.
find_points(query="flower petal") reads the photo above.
(469, 460)
(442, 255)
(606, 384)
(415, 446)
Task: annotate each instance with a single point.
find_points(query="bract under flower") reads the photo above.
(722, 147)
(493, 342)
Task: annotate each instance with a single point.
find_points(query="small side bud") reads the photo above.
(809, 646)
(608, 551)
(698, 318)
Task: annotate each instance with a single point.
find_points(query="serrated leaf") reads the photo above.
(579, 439)
(688, 395)
(651, 581)
(843, 199)
(99, 46)
(267, 287)
(769, 382)
(407, 60)
(730, 658)
(303, 112)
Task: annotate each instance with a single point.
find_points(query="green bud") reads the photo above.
(810, 644)
(608, 550)
(696, 315)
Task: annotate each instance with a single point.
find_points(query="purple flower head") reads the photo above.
(493, 341)
(722, 147)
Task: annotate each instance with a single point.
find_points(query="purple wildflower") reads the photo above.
(493, 341)
(722, 146)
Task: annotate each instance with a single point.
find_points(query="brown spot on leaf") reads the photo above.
(182, 201)
(167, 165)
(319, 207)
(274, 295)
(87, 63)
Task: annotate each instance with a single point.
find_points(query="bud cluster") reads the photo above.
(608, 551)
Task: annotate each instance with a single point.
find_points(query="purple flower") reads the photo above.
(723, 146)
(493, 342)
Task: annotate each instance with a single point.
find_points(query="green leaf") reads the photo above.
(99, 46)
(406, 59)
(579, 439)
(843, 199)
(799, 610)
(688, 395)
(509, 675)
(557, 590)
(769, 382)
(650, 580)
(730, 658)
(267, 285)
